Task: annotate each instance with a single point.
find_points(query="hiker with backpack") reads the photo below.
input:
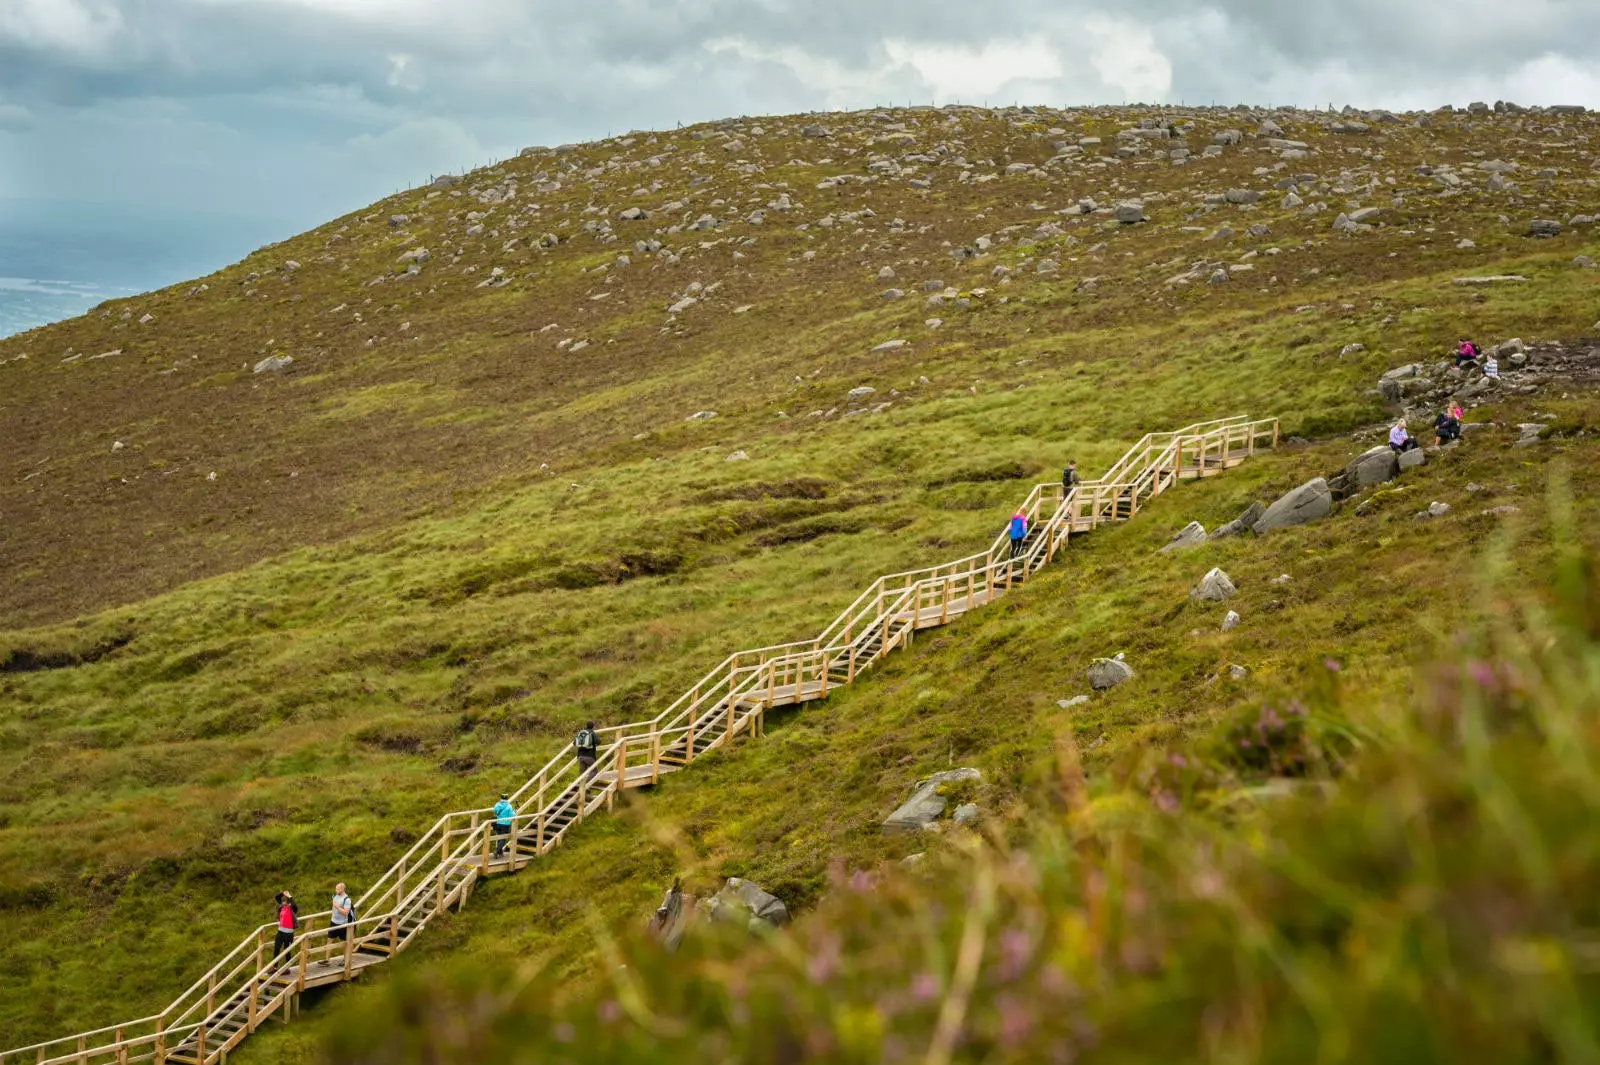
(343, 914)
(1069, 478)
(1019, 532)
(587, 744)
(288, 920)
(504, 815)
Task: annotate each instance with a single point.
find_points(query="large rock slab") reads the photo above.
(1214, 587)
(926, 804)
(1312, 501)
(1374, 467)
(1108, 673)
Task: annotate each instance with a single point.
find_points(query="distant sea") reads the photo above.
(60, 258)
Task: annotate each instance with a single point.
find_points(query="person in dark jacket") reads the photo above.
(587, 744)
(1446, 427)
(1069, 478)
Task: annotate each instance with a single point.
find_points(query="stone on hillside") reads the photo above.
(1343, 224)
(1531, 434)
(1238, 672)
(966, 813)
(415, 255)
(1242, 523)
(398, 220)
(889, 345)
(1410, 460)
(1293, 200)
(146, 319)
(701, 416)
(1130, 212)
(275, 364)
(1438, 510)
(1312, 501)
(1231, 621)
(1269, 128)
(682, 305)
(926, 804)
(886, 274)
(1242, 196)
(1214, 587)
(1191, 535)
(1544, 227)
(1352, 349)
(892, 293)
(856, 395)
(633, 214)
(1365, 215)
(737, 456)
(1108, 673)
(1374, 467)
(1493, 279)
(814, 131)
(1076, 700)
(1227, 137)
(741, 902)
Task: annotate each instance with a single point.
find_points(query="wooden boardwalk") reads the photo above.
(249, 985)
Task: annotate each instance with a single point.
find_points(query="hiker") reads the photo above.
(1446, 427)
(343, 915)
(1491, 367)
(288, 918)
(1456, 412)
(504, 814)
(587, 744)
(1400, 440)
(1466, 352)
(1019, 532)
(1069, 478)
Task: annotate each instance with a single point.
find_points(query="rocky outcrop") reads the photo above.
(1242, 524)
(741, 902)
(927, 801)
(1191, 535)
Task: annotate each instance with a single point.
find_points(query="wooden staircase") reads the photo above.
(249, 986)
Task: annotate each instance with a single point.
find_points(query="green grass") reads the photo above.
(425, 562)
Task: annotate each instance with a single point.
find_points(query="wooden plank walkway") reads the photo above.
(248, 986)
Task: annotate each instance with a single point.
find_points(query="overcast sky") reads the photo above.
(299, 110)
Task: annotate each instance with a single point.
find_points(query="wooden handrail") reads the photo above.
(728, 699)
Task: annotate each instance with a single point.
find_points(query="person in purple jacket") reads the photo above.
(1019, 532)
(1399, 439)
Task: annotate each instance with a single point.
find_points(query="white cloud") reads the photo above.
(961, 72)
(70, 26)
(403, 73)
(1125, 56)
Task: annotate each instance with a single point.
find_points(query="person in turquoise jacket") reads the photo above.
(504, 814)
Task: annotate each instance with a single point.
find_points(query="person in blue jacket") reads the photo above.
(1019, 532)
(504, 813)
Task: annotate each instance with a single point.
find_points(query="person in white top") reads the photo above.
(344, 913)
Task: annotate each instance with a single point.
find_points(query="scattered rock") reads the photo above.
(926, 804)
(1231, 621)
(1191, 535)
(966, 813)
(1438, 510)
(1106, 673)
(1130, 212)
(1310, 502)
(1214, 587)
(1238, 672)
(1544, 227)
(701, 416)
(737, 456)
(1352, 349)
(889, 345)
(1410, 460)
(1493, 279)
(275, 364)
(1076, 700)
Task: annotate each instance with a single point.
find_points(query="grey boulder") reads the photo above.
(1214, 587)
(1191, 535)
(740, 901)
(926, 804)
(1410, 460)
(1108, 673)
(1243, 523)
(275, 364)
(1312, 501)
(1373, 467)
(1544, 227)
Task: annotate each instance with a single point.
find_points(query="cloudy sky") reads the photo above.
(298, 110)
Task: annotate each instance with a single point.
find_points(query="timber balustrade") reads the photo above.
(250, 985)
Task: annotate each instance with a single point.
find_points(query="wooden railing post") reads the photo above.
(350, 943)
(305, 950)
(250, 1016)
(161, 1040)
(200, 1044)
(122, 1048)
(655, 756)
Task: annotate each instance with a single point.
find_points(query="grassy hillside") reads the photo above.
(425, 559)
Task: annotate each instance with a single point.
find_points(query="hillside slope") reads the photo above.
(425, 559)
